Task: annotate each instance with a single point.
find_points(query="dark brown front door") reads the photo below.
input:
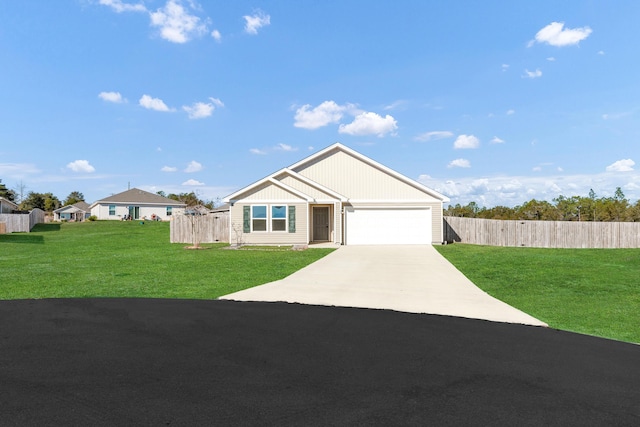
(321, 223)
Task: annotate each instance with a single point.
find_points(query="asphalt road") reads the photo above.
(175, 362)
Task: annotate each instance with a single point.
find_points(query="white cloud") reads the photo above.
(216, 35)
(551, 59)
(617, 116)
(396, 104)
(257, 151)
(114, 97)
(369, 123)
(459, 163)
(555, 34)
(193, 166)
(624, 165)
(176, 24)
(256, 21)
(511, 112)
(285, 147)
(532, 74)
(504, 67)
(17, 170)
(119, 6)
(153, 103)
(433, 135)
(515, 190)
(466, 141)
(601, 52)
(326, 113)
(169, 169)
(497, 140)
(200, 110)
(192, 182)
(81, 166)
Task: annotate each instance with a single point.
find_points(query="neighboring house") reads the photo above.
(136, 204)
(7, 206)
(336, 195)
(77, 212)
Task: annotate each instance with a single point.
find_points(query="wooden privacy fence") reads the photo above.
(212, 228)
(542, 234)
(14, 223)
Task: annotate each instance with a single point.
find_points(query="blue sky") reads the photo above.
(496, 102)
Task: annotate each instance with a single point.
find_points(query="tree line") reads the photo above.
(48, 202)
(574, 208)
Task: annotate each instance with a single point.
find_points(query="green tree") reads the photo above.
(45, 201)
(73, 197)
(51, 202)
(568, 208)
(6, 193)
(497, 212)
(538, 210)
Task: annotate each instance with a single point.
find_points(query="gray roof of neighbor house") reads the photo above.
(137, 196)
(8, 202)
(79, 206)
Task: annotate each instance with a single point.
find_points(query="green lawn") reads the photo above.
(591, 291)
(128, 259)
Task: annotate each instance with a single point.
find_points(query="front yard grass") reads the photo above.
(591, 291)
(132, 260)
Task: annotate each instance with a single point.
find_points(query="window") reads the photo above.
(278, 218)
(274, 218)
(169, 210)
(258, 218)
(112, 209)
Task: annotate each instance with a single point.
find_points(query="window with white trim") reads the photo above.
(169, 210)
(112, 209)
(278, 218)
(259, 218)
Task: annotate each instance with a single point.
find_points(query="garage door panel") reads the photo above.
(388, 226)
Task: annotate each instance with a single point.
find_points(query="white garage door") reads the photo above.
(388, 226)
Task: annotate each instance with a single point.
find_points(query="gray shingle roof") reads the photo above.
(137, 196)
(76, 207)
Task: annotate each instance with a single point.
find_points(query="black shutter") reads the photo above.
(292, 219)
(246, 219)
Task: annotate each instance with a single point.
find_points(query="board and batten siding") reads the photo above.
(305, 188)
(270, 191)
(238, 236)
(352, 177)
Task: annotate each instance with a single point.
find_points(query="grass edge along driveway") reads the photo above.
(132, 260)
(590, 291)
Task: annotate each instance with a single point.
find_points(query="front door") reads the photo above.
(320, 223)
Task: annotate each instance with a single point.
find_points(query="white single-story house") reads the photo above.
(336, 195)
(76, 212)
(7, 206)
(136, 204)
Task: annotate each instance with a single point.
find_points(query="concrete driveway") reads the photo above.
(412, 278)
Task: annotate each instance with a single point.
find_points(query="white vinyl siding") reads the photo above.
(145, 211)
